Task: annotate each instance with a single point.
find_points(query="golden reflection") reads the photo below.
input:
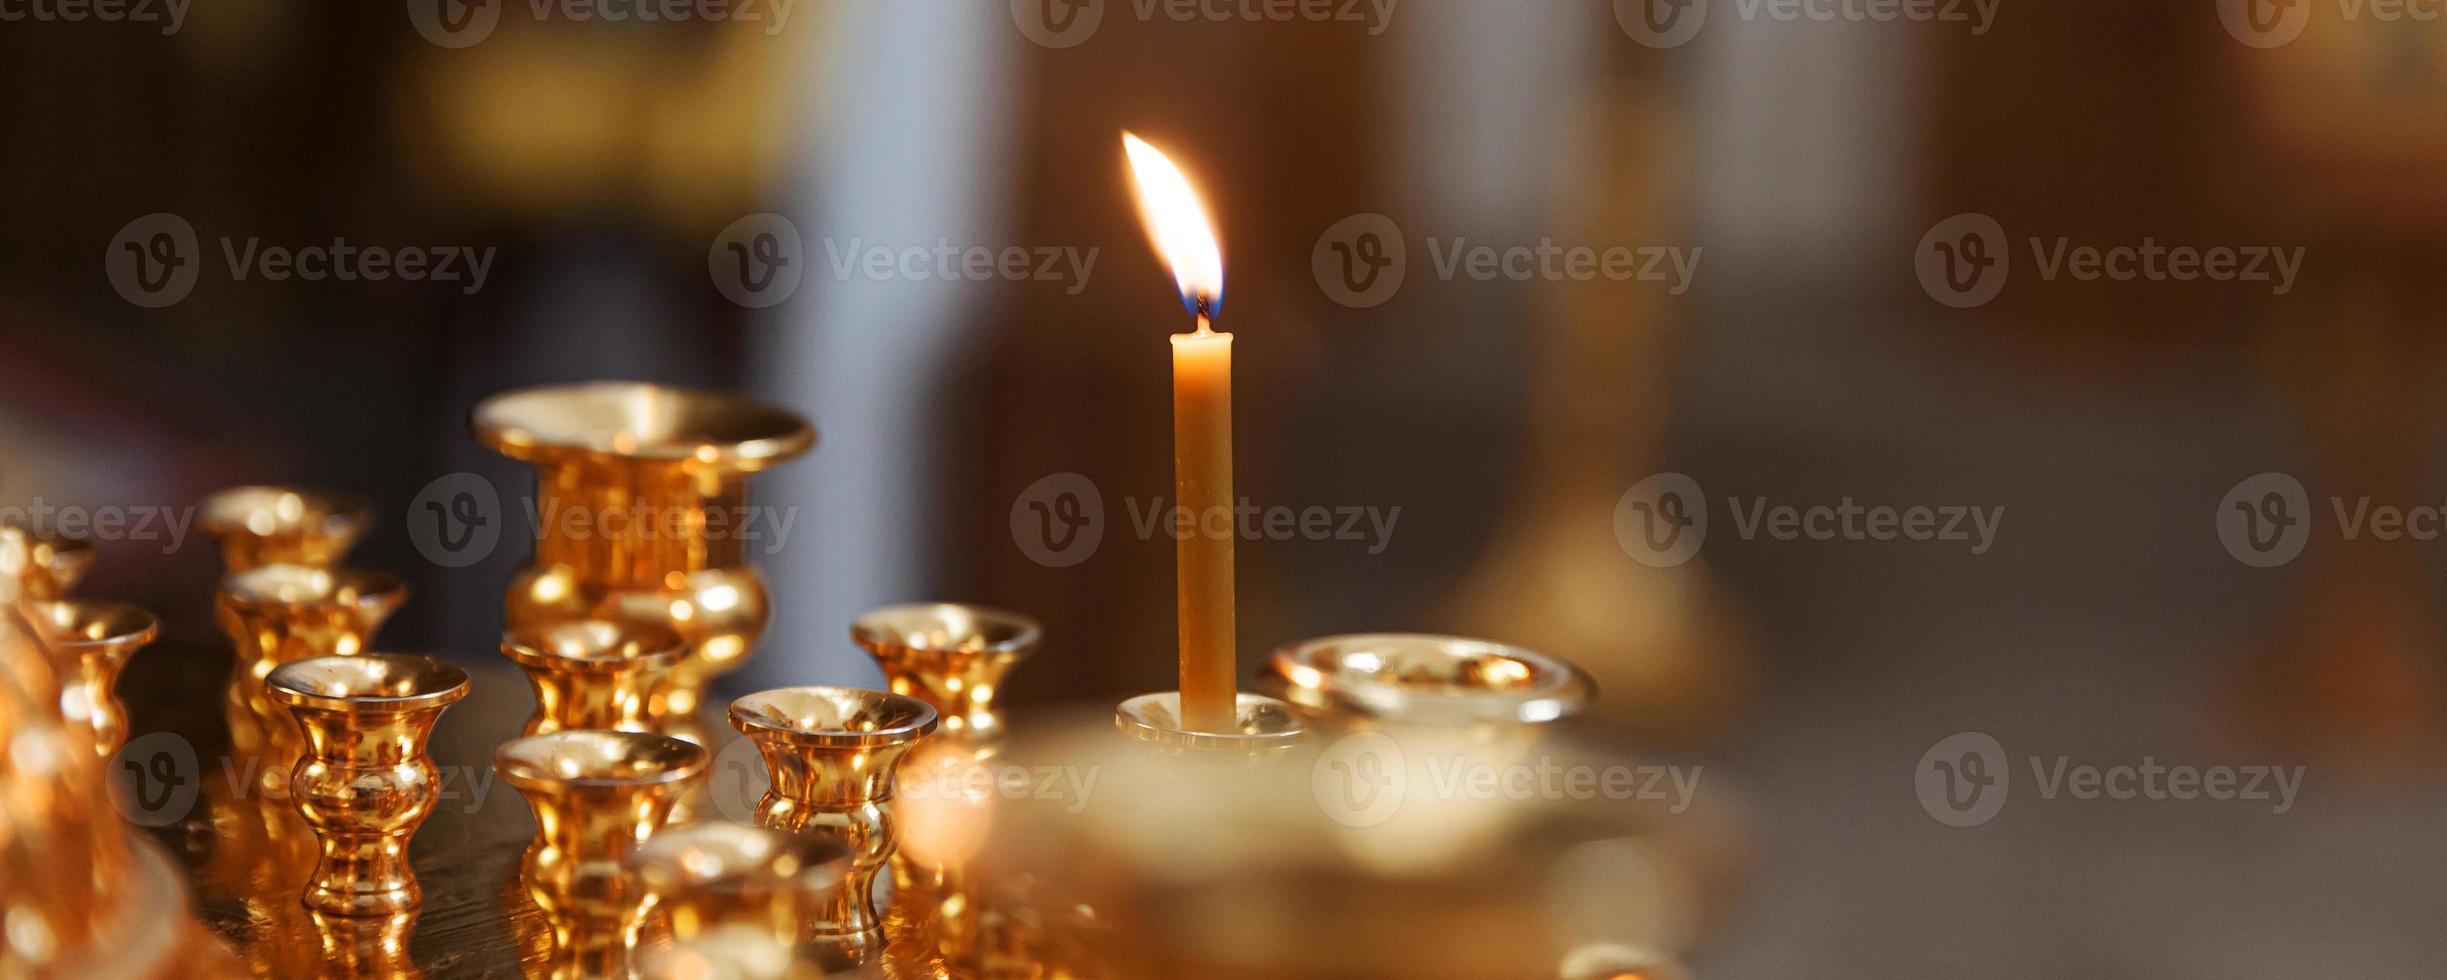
(365, 781)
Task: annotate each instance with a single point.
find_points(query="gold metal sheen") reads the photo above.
(365, 781)
(596, 795)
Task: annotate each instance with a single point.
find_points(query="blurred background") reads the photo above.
(608, 168)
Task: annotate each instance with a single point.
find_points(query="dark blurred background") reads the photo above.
(604, 163)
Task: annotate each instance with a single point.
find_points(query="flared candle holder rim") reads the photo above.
(143, 628)
(1560, 688)
(519, 646)
(523, 773)
(923, 720)
(498, 425)
(875, 639)
(1133, 719)
(222, 515)
(281, 689)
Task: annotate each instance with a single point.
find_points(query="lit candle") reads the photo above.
(1202, 438)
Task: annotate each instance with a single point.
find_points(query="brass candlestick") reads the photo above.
(715, 879)
(952, 656)
(832, 753)
(263, 525)
(641, 505)
(596, 796)
(54, 565)
(1263, 728)
(365, 782)
(277, 614)
(1366, 680)
(598, 674)
(89, 643)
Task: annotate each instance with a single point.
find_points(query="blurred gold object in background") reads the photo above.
(597, 674)
(596, 796)
(365, 782)
(266, 525)
(90, 642)
(726, 890)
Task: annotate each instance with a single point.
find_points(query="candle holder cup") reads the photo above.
(832, 753)
(596, 796)
(600, 674)
(1263, 728)
(952, 656)
(713, 879)
(1368, 679)
(266, 525)
(53, 565)
(278, 614)
(90, 642)
(642, 494)
(365, 781)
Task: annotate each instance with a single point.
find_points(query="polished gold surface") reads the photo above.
(90, 642)
(599, 674)
(365, 781)
(733, 893)
(277, 614)
(1261, 726)
(951, 655)
(596, 796)
(1419, 678)
(641, 504)
(265, 525)
(54, 564)
(832, 754)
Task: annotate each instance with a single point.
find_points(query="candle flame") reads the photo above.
(1177, 222)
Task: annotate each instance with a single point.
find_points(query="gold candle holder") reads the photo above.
(53, 564)
(641, 491)
(832, 754)
(90, 642)
(596, 796)
(598, 674)
(278, 614)
(952, 656)
(1263, 728)
(265, 525)
(1365, 680)
(716, 879)
(365, 782)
